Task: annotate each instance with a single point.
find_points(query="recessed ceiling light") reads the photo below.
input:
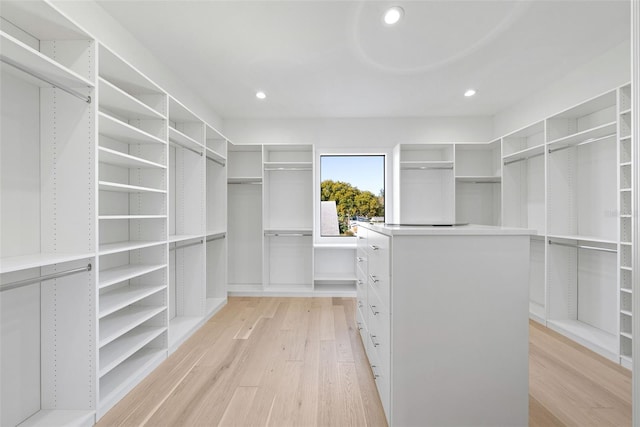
(470, 92)
(261, 95)
(393, 15)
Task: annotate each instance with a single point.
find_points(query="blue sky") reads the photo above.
(364, 172)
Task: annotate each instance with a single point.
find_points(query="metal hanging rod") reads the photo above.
(524, 158)
(25, 282)
(214, 160)
(39, 76)
(177, 144)
(422, 168)
(287, 169)
(592, 248)
(586, 141)
(185, 246)
(288, 234)
(479, 182)
(217, 238)
(247, 182)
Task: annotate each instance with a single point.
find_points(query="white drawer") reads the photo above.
(361, 290)
(379, 254)
(381, 285)
(379, 327)
(382, 380)
(361, 324)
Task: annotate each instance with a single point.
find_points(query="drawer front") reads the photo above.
(379, 328)
(379, 251)
(381, 378)
(381, 286)
(361, 239)
(361, 324)
(361, 263)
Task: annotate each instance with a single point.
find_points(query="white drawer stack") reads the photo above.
(373, 300)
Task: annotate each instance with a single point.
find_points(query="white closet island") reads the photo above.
(444, 320)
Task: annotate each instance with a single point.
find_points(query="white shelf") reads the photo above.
(426, 164)
(626, 335)
(216, 233)
(626, 361)
(116, 158)
(477, 179)
(112, 248)
(245, 180)
(185, 141)
(626, 291)
(119, 350)
(24, 262)
(126, 188)
(118, 324)
(121, 131)
(626, 313)
(119, 274)
(585, 136)
(48, 418)
(29, 58)
(336, 289)
(335, 277)
(625, 164)
(344, 246)
(214, 155)
(121, 103)
(113, 217)
(582, 238)
(117, 71)
(284, 232)
(123, 377)
(115, 300)
(627, 111)
(182, 237)
(595, 339)
(287, 166)
(624, 138)
(524, 154)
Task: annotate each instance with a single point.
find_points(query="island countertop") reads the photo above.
(443, 230)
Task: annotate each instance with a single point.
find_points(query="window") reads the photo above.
(351, 189)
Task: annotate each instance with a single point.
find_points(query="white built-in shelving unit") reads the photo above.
(568, 177)
(132, 214)
(48, 195)
(287, 218)
(99, 185)
(244, 202)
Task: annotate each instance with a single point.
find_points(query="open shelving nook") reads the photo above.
(583, 300)
(287, 218)
(478, 174)
(244, 227)
(424, 173)
(334, 269)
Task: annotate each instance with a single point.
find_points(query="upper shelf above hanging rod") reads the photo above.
(45, 79)
(520, 159)
(180, 145)
(26, 282)
(591, 248)
(214, 160)
(586, 141)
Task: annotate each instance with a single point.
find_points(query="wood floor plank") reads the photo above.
(301, 362)
(236, 413)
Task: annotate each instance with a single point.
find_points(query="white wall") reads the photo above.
(599, 75)
(355, 133)
(97, 22)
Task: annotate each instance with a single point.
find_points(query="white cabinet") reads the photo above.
(432, 368)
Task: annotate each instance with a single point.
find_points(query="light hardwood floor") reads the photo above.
(300, 362)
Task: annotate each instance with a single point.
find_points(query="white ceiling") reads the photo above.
(337, 59)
